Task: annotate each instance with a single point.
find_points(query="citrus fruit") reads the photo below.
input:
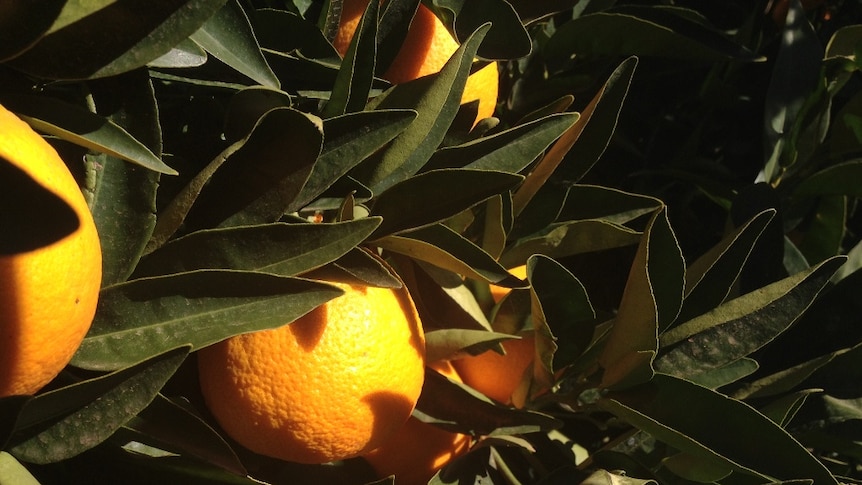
(48, 296)
(426, 49)
(498, 376)
(419, 449)
(334, 384)
(498, 292)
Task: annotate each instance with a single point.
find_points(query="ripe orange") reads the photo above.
(334, 384)
(498, 292)
(425, 50)
(498, 376)
(419, 449)
(48, 296)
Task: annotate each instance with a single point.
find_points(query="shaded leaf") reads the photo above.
(511, 150)
(81, 127)
(23, 23)
(360, 266)
(663, 408)
(352, 86)
(283, 249)
(725, 374)
(743, 325)
(566, 239)
(606, 203)
(460, 409)
(144, 317)
(840, 179)
(652, 296)
(436, 99)
(782, 381)
(507, 38)
(658, 31)
(91, 41)
(441, 194)
(31, 216)
(709, 280)
(604, 107)
(447, 249)
(122, 395)
(183, 55)
(347, 141)
(449, 343)
(285, 32)
(228, 36)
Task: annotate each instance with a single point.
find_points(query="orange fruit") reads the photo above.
(498, 292)
(498, 376)
(419, 449)
(334, 384)
(48, 296)
(426, 49)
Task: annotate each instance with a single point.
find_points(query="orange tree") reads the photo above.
(679, 180)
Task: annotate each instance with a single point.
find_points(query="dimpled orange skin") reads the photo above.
(425, 50)
(48, 296)
(494, 375)
(419, 449)
(334, 384)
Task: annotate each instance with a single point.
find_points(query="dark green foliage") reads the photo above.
(682, 181)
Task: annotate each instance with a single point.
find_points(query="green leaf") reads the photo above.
(563, 317)
(725, 374)
(283, 249)
(825, 233)
(835, 180)
(570, 238)
(709, 280)
(254, 184)
(360, 266)
(584, 142)
(94, 417)
(122, 195)
(186, 54)
(743, 325)
(436, 99)
(450, 343)
(228, 36)
(32, 215)
(664, 407)
(23, 23)
(458, 408)
(284, 31)
(12, 472)
(696, 468)
(440, 193)
(352, 86)
(507, 38)
(604, 477)
(141, 318)
(10, 410)
(606, 203)
(173, 427)
(784, 380)
(347, 141)
(445, 248)
(511, 150)
(655, 31)
(92, 40)
(651, 301)
(81, 127)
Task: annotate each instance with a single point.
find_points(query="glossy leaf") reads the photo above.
(84, 128)
(657, 31)
(31, 216)
(651, 301)
(283, 249)
(183, 55)
(141, 318)
(123, 196)
(441, 194)
(228, 36)
(436, 99)
(347, 141)
(743, 325)
(122, 395)
(663, 407)
(511, 150)
(91, 41)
